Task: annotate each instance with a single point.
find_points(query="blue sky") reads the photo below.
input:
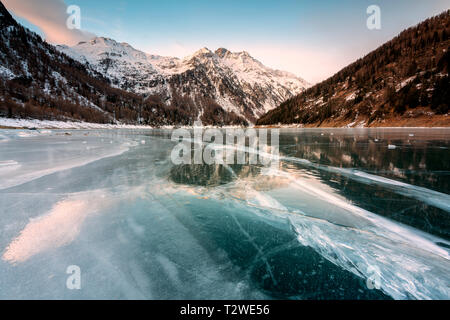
(313, 39)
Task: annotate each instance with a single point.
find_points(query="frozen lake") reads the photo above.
(347, 214)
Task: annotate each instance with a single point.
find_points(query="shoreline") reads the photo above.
(30, 124)
(8, 123)
(434, 121)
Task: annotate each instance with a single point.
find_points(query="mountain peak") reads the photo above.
(245, 54)
(102, 40)
(222, 52)
(140, 72)
(3, 10)
(203, 51)
(5, 17)
(126, 44)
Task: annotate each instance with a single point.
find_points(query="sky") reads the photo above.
(312, 39)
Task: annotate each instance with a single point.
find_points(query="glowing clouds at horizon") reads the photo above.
(50, 16)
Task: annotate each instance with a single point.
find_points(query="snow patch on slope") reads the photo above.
(235, 80)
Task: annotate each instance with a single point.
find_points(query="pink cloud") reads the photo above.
(50, 16)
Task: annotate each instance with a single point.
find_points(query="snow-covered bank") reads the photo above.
(47, 124)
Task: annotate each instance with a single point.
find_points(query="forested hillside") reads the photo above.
(405, 82)
(37, 81)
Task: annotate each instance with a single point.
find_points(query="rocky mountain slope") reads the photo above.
(405, 82)
(37, 81)
(235, 81)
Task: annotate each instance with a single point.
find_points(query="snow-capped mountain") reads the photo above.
(235, 81)
(37, 81)
(404, 82)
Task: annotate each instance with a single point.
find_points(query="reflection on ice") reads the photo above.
(410, 263)
(350, 237)
(58, 228)
(62, 224)
(210, 175)
(140, 227)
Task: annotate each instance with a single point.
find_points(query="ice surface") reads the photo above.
(47, 154)
(139, 227)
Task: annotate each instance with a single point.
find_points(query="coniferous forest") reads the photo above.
(43, 83)
(405, 79)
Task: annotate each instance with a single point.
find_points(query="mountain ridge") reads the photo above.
(234, 80)
(404, 82)
(37, 81)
